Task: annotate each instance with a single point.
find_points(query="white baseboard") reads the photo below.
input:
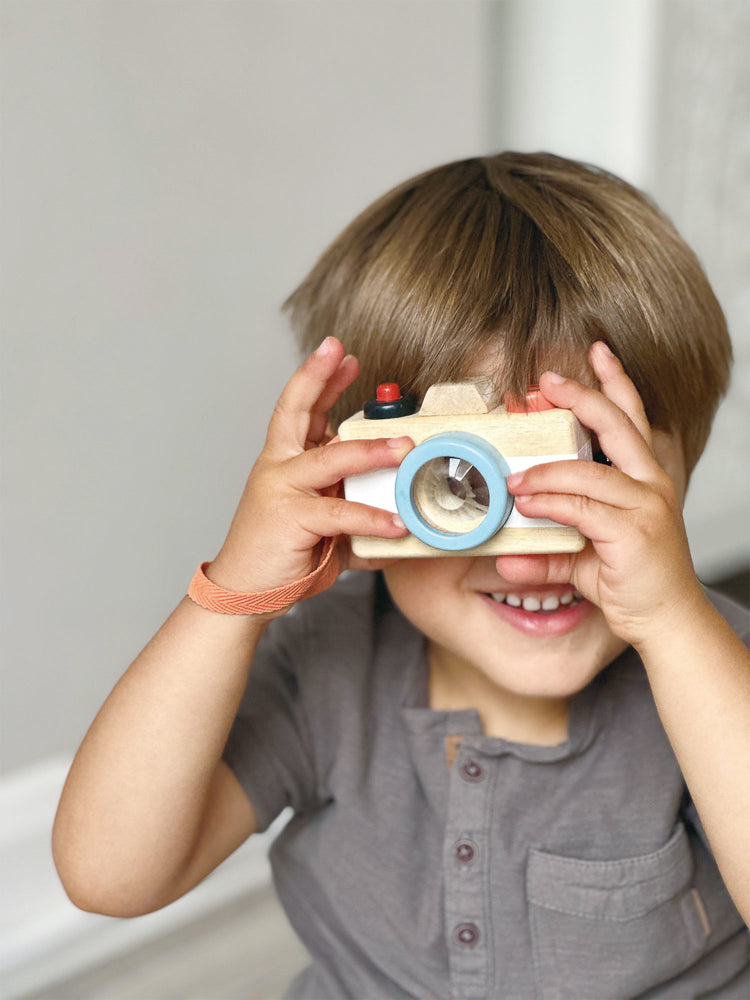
(44, 938)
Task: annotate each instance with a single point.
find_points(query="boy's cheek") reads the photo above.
(415, 584)
(355, 562)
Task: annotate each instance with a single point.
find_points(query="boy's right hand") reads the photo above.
(290, 502)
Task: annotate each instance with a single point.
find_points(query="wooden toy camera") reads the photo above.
(450, 489)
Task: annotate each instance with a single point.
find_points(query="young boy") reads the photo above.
(523, 776)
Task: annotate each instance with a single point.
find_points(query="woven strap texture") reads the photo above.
(229, 602)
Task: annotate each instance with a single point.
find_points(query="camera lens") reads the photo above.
(451, 494)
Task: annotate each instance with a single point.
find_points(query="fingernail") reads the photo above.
(397, 522)
(514, 479)
(604, 349)
(324, 347)
(554, 378)
(399, 442)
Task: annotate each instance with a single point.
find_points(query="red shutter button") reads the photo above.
(389, 402)
(388, 392)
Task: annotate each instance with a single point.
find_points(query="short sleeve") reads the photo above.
(269, 746)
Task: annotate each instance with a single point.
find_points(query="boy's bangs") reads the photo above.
(512, 265)
(471, 283)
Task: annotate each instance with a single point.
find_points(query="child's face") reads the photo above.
(524, 653)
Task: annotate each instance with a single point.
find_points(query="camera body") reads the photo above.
(450, 489)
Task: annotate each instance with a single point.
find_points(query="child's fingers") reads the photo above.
(598, 521)
(644, 524)
(342, 378)
(331, 516)
(290, 424)
(618, 387)
(319, 468)
(589, 479)
(619, 437)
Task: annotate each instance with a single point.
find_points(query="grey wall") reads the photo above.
(170, 171)
(701, 176)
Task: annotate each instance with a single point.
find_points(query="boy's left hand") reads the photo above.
(636, 565)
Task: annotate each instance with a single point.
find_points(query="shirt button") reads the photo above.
(465, 851)
(466, 935)
(472, 771)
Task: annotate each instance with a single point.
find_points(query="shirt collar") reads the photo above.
(587, 710)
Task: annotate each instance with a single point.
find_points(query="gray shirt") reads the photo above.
(426, 859)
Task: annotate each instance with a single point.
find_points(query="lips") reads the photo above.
(537, 612)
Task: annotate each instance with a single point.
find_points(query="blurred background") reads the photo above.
(170, 171)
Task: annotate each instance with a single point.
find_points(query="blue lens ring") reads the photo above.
(487, 460)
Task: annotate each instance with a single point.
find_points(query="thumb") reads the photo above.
(555, 567)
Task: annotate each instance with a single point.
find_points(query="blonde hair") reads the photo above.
(523, 260)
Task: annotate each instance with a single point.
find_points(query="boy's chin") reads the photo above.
(545, 673)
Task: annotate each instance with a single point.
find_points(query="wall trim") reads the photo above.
(44, 938)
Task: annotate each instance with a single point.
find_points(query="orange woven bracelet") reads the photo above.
(229, 602)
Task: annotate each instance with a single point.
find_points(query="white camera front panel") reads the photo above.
(521, 464)
(378, 488)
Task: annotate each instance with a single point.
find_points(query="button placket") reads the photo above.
(466, 878)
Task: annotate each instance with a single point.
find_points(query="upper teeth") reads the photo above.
(546, 602)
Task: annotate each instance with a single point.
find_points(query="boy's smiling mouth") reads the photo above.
(541, 612)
